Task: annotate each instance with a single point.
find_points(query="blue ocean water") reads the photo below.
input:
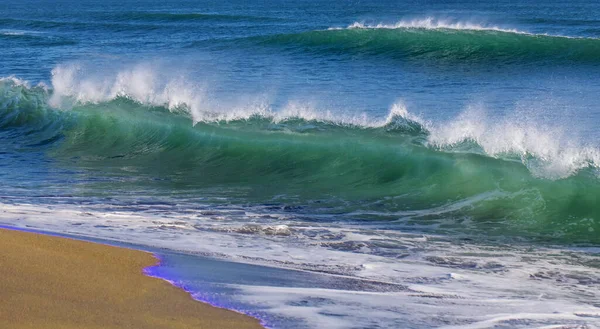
(439, 158)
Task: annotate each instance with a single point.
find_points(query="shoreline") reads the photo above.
(58, 282)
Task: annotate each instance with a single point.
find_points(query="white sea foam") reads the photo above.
(9, 32)
(547, 150)
(358, 309)
(154, 85)
(14, 81)
(150, 84)
(440, 282)
(144, 83)
(433, 23)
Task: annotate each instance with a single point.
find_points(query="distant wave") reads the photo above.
(142, 21)
(13, 32)
(432, 23)
(442, 41)
(34, 38)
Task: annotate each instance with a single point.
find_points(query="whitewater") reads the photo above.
(353, 235)
(320, 164)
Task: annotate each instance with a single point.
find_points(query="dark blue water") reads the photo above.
(426, 144)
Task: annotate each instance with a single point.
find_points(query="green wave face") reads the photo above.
(444, 44)
(374, 175)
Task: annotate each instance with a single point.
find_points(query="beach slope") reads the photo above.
(51, 282)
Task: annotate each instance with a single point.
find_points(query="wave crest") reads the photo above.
(432, 23)
(547, 150)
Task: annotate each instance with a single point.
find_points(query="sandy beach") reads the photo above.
(51, 282)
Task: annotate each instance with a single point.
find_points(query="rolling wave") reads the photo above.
(444, 41)
(392, 169)
(41, 26)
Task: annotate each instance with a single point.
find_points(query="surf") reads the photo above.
(395, 170)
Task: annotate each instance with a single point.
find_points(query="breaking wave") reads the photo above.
(510, 177)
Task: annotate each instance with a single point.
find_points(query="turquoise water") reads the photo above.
(317, 135)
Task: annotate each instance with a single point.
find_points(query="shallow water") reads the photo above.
(446, 153)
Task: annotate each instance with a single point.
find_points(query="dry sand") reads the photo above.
(51, 283)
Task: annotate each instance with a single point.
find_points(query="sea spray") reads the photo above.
(433, 23)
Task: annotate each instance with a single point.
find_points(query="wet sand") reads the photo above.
(52, 282)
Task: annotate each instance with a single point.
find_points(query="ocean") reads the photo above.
(319, 164)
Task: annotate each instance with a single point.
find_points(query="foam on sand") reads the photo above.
(402, 277)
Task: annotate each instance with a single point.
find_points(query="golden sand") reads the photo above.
(51, 283)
